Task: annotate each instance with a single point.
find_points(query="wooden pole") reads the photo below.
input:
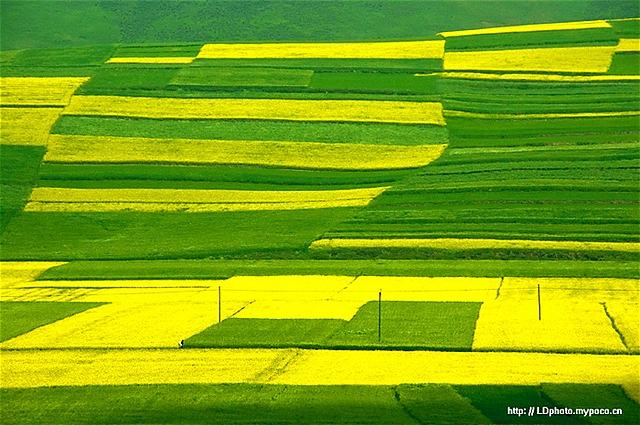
(379, 315)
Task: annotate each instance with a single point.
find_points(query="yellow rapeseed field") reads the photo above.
(27, 126)
(137, 283)
(475, 115)
(35, 368)
(193, 200)
(584, 289)
(450, 243)
(534, 77)
(566, 326)
(287, 309)
(38, 91)
(197, 196)
(366, 288)
(271, 109)
(557, 59)
(281, 288)
(379, 50)
(158, 60)
(13, 273)
(530, 28)
(628, 45)
(342, 367)
(341, 156)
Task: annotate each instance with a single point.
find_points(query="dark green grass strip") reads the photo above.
(388, 65)
(135, 235)
(388, 134)
(264, 92)
(286, 404)
(392, 83)
(548, 90)
(66, 57)
(410, 325)
(152, 51)
(626, 28)
(242, 77)
(18, 173)
(21, 317)
(586, 396)
(537, 140)
(52, 71)
(221, 404)
(494, 401)
(625, 63)
(540, 105)
(222, 269)
(126, 78)
(534, 39)
(406, 325)
(265, 333)
(135, 175)
(481, 128)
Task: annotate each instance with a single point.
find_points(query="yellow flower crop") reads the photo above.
(50, 91)
(15, 272)
(271, 109)
(27, 126)
(530, 28)
(449, 243)
(279, 288)
(158, 60)
(190, 200)
(380, 50)
(585, 289)
(40, 368)
(340, 156)
(566, 325)
(344, 310)
(558, 59)
(464, 114)
(366, 288)
(534, 77)
(36, 368)
(343, 367)
(628, 45)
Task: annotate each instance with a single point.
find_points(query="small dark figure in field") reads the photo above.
(181, 344)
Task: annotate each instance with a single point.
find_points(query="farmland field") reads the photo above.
(320, 212)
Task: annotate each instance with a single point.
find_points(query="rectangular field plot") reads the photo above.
(378, 65)
(302, 155)
(17, 272)
(266, 109)
(380, 50)
(163, 51)
(566, 326)
(327, 132)
(407, 325)
(241, 77)
(560, 59)
(192, 200)
(122, 78)
(374, 82)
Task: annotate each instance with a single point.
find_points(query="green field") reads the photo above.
(539, 166)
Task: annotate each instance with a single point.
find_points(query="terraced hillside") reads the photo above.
(426, 231)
